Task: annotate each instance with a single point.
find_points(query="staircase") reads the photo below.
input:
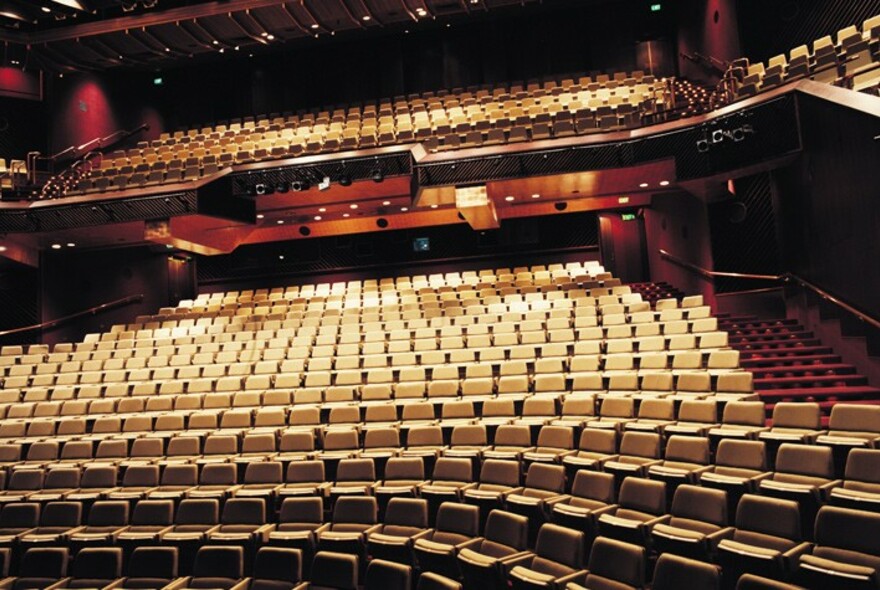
(790, 363)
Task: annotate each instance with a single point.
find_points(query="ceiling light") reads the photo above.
(318, 218)
(643, 185)
(270, 37)
(404, 209)
(366, 17)
(322, 210)
(316, 26)
(434, 206)
(386, 203)
(264, 34)
(664, 183)
(2, 248)
(56, 246)
(536, 196)
(509, 198)
(167, 50)
(346, 215)
(280, 222)
(71, 245)
(260, 216)
(353, 206)
(281, 257)
(46, 9)
(215, 42)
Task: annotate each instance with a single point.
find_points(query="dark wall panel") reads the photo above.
(19, 300)
(22, 127)
(771, 28)
(829, 210)
(74, 282)
(744, 234)
(382, 254)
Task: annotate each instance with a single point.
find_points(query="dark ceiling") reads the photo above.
(82, 35)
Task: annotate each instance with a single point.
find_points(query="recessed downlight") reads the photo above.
(509, 198)
(664, 183)
(643, 185)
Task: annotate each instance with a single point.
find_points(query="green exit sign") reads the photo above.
(158, 81)
(656, 7)
(628, 217)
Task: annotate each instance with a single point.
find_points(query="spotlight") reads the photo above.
(344, 179)
(260, 188)
(282, 187)
(703, 146)
(299, 185)
(378, 175)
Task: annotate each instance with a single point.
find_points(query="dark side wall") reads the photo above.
(76, 281)
(710, 28)
(678, 223)
(828, 207)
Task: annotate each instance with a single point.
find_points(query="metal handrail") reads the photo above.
(785, 278)
(712, 274)
(63, 320)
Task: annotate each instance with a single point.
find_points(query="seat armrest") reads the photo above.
(508, 562)
(242, 585)
(825, 489)
(421, 535)
(663, 519)
(577, 577)
(469, 543)
(262, 533)
(550, 502)
(62, 583)
(373, 529)
(714, 538)
(793, 555)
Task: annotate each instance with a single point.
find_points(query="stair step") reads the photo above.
(781, 337)
(755, 323)
(802, 370)
(864, 393)
(789, 360)
(818, 381)
(771, 344)
(793, 352)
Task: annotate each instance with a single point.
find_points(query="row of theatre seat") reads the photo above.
(851, 61)
(534, 536)
(463, 118)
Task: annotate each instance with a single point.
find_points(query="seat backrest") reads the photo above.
(405, 468)
(744, 413)
(410, 512)
(62, 478)
(198, 511)
(689, 449)
(452, 469)
(615, 560)
(61, 514)
(512, 435)
(544, 476)
(863, 465)
(304, 510)
(387, 575)
(598, 440)
(335, 570)
(218, 474)
(463, 519)
(769, 516)
(278, 563)
(382, 438)
(508, 529)
(853, 418)
(153, 562)
(811, 460)
(244, 511)
(109, 513)
(469, 434)
(432, 581)
(356, 509)
(98, 476)
(141, 476)
(556, 437)
(797, 415)
(559, 544)
(44, 562)
(98, 563)
(356, 470)
(305, 471)
(594, 485)
(219, 562)
(498, 472)
(20, 515)
(153, 512)
(743, 454)
(26, 479)
(640, 444)
(264, 472)
(705, 411)
(847, 529)
(644, 495)
(673, 572)
(703, 504)
(180, 475)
